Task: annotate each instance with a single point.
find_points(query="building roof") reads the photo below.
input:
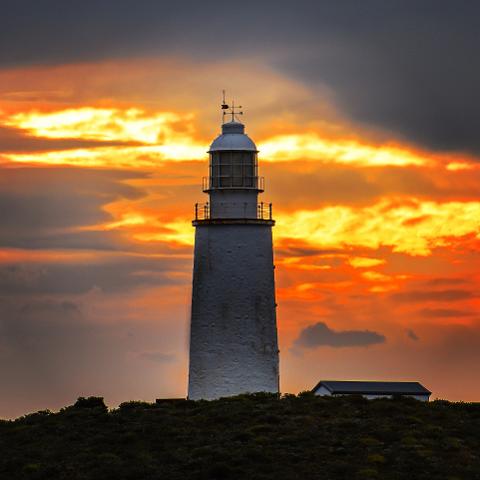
(373, 388)
(233, 137)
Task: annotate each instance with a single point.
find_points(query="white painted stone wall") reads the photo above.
(233, 203)
(233, 338)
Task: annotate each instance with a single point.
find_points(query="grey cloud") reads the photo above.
(80, 240)
(319, 335)
(328, 184)
(51, 352)
(406, 67)
(412, 335)
(14, 140)
(301, 249)
(118, 28)
(432, 295)
(333, 184)
(42, 208)
(50, 209)
(115, 274)
(409, 68)
(66, 307)
(92, 181)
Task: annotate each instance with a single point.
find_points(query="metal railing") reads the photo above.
(227, 181)
(263, 212)
(202, 211)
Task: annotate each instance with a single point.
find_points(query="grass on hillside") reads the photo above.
(256, 436)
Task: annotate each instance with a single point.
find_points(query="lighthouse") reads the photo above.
(233, 329)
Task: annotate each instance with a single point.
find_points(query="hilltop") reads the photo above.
(246, 437)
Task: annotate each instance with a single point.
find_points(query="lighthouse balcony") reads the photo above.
(233, 213)
(230, 182)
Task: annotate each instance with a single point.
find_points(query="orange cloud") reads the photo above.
(91, 123)
(365, 262)
(168, 136)
(311, 146)
(414, 227)
(157, 110)
(161, 136)
(384, 224)
(454, 166)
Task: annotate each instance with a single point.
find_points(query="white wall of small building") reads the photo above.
(322, 391)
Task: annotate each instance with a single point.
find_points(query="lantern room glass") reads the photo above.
(233, 169)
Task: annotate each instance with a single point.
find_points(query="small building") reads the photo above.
(372, 390)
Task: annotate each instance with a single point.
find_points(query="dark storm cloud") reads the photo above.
(117, 274)
(432, 295)
(14, 140)
(320, 335)
(43, 208)
(409, 67)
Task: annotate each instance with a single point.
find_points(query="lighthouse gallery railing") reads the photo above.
(264, 211)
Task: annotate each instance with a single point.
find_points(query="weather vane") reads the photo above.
(230, 109)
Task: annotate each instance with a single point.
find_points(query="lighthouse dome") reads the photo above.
(233, 137)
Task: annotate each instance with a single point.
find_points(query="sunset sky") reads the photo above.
(367, 118)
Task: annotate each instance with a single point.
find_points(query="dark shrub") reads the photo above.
(90, 402)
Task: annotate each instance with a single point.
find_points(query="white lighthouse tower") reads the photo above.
(233, 334)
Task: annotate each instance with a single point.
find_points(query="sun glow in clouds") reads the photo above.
(414, 228)
(365, 262)
(161, 136)
(115, 157)
(168, 136)
(102, 124)
(312, 147)
(410, 226)
(454, 166)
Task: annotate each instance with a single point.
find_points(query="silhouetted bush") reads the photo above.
(135, 405)
(90, 402)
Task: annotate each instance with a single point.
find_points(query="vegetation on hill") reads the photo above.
(246, 437)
